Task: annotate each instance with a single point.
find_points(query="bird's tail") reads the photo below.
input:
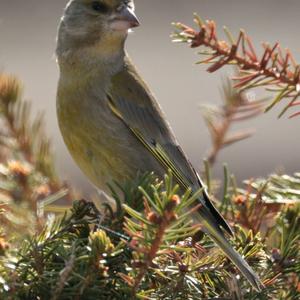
(217, 235)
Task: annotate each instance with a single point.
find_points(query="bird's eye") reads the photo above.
(99, 7)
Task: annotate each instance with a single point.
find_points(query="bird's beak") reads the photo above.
(128, 15)
(125, 19)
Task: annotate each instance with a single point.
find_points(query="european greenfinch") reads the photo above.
(110, 120)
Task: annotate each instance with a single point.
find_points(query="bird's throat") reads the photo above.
(103, 51)
(100, 57)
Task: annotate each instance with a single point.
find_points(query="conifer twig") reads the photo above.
(237, 106)
(275, 70)
(149, 231)
(27, 174)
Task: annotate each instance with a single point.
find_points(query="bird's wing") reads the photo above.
(131, 100)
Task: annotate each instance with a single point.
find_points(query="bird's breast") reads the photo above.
(98, 141)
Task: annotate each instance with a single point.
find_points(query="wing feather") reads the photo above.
(142, 115)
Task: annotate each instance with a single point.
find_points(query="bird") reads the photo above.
(110, 120)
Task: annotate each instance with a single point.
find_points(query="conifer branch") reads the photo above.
(276, 70)
(149, 230)
(72, 258)
(237, 107)
(26, 137)
(27, 172)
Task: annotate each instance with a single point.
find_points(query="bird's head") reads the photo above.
(88, 22)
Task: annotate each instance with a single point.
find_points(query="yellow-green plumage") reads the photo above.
(100, 143)
(110, 121)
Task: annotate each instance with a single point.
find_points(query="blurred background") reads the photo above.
(27, 44)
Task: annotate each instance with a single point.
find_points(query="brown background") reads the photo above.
(27, 43)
